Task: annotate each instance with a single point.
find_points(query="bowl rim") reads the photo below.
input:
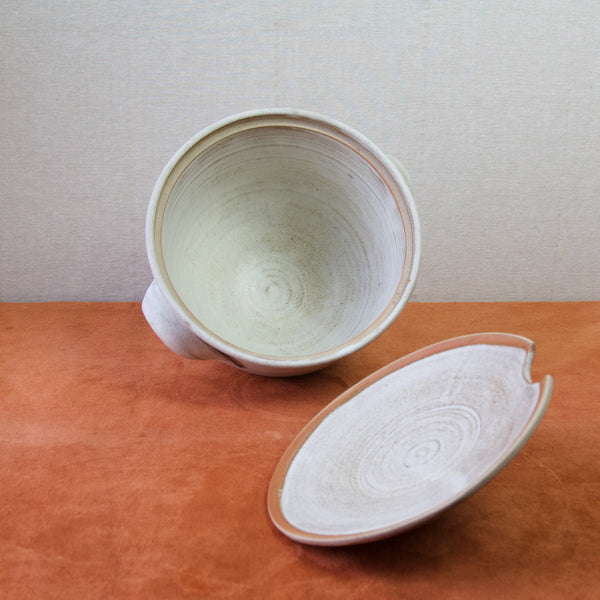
(318, 123)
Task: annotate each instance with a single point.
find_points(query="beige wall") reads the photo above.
(493, 106)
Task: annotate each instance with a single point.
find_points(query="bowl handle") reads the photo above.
(173, 330)
(402, 170)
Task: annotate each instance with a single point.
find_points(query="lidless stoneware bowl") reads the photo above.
(280, 241)
(409, 441)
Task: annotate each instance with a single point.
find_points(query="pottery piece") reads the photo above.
(409, 441)
(279, 241)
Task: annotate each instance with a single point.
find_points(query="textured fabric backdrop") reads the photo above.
(492, 106)
(130, 473)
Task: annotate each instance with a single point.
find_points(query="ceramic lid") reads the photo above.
(409, 441)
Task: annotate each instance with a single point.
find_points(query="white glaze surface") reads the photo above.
(285, 241)
(411, 442)
(280, 241)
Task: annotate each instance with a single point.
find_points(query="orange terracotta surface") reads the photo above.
(128, 472)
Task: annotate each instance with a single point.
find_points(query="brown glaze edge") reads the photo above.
(279, 475)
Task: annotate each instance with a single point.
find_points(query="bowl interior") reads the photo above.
(283, 241)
